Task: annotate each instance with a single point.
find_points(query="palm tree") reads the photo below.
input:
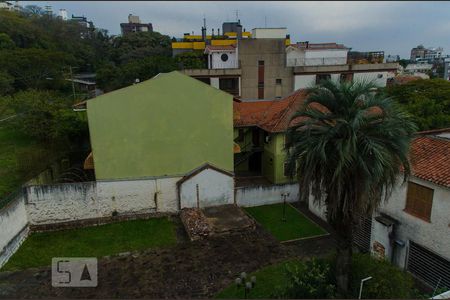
(349, 145)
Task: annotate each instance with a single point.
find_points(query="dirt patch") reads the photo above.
(196, 269)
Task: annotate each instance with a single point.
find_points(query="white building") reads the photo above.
(307, 54)
(269, 33)
(418, 68)
(222, 57)
(412, 230)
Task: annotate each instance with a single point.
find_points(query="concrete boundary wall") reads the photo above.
(265, 194)
(50, 204)
(13, 228)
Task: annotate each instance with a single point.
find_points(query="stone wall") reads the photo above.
(13, 228)
(265, 194)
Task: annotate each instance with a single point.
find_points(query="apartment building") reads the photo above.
(135, 25)
(264, 65)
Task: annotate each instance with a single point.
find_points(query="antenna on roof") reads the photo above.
(204, 21)
(237, 14)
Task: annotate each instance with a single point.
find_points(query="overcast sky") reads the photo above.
(394, 27)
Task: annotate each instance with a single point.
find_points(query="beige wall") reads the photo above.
(272, 52)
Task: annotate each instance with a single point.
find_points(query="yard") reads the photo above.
(39, 248)
(268, 280)
(295, 226)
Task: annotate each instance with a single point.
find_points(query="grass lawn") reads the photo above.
(268, 280)
(12, 144)
(296, 225)
(39, 248)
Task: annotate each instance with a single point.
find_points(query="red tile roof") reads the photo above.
(430, 158)
(272, 116)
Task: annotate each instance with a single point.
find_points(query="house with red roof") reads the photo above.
(259, 130)
(412, 229)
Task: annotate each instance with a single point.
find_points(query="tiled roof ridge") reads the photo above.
(296, 94)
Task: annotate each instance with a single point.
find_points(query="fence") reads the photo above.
(266, 194)
(14, 227)
(320, 61)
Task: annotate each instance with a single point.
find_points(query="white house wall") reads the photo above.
(304, 81)
(215, 82)
(263, 195)
(434, 235)
(372, 76)
(214, 188)
(48, 204)
(217, 62)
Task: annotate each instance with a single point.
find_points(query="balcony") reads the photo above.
(320, 61)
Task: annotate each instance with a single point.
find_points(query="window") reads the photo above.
(240, 137)
(278, 81)
(224, 57)
(322, 77)
(346, 77)
(260, 63)
(419, 201)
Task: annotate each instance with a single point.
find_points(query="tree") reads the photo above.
(349, 145)
(46, 116)
(427, 100)
(191, 60)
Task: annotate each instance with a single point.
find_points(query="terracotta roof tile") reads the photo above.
(430, 159)
(272, 116)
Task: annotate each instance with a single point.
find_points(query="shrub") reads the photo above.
(311, 280)
(388, 281)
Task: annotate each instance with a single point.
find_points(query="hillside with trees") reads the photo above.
(38, 54)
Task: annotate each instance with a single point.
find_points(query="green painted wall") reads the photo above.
(168, 125)
(273, 159)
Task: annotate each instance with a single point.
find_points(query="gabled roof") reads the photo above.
(211, 48)
(430, 156)
(272, 116)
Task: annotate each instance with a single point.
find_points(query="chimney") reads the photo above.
(204, 34)
(212, 35)
(239, 32)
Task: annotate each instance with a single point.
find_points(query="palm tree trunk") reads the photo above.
(344, 255)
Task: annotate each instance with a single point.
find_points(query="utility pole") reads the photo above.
(237, 14)
(73, 84)
(265, 21)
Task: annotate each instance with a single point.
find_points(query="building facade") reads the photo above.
(259, 130)
(412, 229)
(266, 66)
(431, 54)
(134, 25)
(193, 121)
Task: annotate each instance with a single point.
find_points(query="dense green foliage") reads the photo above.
(38, 54)
(348, 144)
(46, 116)
(39, 248)
(310, 280)
(313, 279)
(428, 101)
(295, 226)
